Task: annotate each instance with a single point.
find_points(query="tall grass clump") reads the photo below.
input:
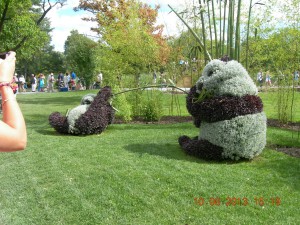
(285, 99)
(122, 106)
(152, 108)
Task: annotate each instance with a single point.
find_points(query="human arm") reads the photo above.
(13, 136)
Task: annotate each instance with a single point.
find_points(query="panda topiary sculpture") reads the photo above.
(91, 117)
(225, 105)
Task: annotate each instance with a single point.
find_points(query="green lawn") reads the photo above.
(137, 174)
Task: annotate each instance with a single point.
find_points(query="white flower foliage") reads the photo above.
(76, 112)
(241, 137)
(73, 115)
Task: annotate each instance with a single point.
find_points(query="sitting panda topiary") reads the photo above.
(92, 116)
(225, 105)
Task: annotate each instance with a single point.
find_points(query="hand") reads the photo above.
(7, 67)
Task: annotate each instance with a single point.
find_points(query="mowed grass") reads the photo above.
(270, 100)
(137, 174)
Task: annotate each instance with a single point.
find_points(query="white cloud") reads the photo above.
(64, 19)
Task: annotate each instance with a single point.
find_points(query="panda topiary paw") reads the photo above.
(184, 140)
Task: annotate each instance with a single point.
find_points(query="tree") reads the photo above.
(21, 23)
(278, 52)
(45, 61)
(79, 51)
(130, 42)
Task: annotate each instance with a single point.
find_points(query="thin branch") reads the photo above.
(150, 86)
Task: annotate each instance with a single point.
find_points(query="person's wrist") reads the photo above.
(5, 83)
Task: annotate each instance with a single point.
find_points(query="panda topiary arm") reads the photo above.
(192, 106)
(59, 122)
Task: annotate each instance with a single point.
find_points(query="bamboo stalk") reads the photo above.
(203, 29)
(231, 29)
(210, 32)
(206, 54)
(220, 40)
(247, 40)
(215, 27)
(237, 32)
(224, 22)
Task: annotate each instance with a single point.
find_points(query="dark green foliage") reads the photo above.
(79, 56)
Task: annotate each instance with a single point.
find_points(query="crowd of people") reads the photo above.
(61, 82)
(265, 78)
(261, 78)
(41, 83)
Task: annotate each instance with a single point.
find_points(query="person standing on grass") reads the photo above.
(13, 135)
(22, 83)
(296, 77)
(260, 78)
(41, 82)
(66, 80)
(33, 83)
(268, 78)
(73, 75)
(50, 82)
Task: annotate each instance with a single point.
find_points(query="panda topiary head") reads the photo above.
(87, 99)
(230, 78)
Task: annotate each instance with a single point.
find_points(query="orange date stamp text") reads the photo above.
(237, 201)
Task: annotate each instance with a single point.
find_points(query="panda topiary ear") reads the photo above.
(225, 58)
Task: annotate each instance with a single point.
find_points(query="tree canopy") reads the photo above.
(79, 52)
(130, 40)
(25, 29)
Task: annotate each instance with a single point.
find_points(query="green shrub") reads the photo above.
(135, 100)
(123, 107)
(152, 106)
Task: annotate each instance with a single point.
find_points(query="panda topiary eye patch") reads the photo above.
(210, 73)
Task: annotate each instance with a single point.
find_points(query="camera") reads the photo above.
(3, 55)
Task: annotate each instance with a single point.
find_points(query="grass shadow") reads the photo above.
(170, 151)
(48, 132)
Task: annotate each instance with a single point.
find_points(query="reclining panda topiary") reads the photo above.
(92, 116)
